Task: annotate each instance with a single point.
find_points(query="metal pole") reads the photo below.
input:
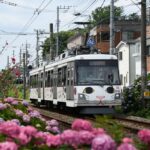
(57, 40)
(143, 49)
(7, 62)
(37, 48)
(111, 27)
(50, 38)
(24, 77)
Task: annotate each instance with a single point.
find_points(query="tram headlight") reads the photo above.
(81, 97)
(117, 96)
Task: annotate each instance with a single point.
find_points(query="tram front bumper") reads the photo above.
(98, 103)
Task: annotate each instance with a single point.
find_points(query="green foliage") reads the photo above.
(132, 103)
(7, 78)
(103, 14)
(63, 37)
(112, 127)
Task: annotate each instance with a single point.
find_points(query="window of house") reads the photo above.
(105, 36)
(120, 55)
(148, 50)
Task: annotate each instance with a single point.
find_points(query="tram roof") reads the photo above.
(64, 61)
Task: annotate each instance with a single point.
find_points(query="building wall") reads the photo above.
(78, 41)
(119, 34)
(124, 65)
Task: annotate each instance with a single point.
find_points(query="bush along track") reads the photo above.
(22, 128)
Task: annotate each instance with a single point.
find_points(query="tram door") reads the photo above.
(55, 83)
(39, 85)
(70, 81)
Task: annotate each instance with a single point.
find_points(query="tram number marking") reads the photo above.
(100, 99)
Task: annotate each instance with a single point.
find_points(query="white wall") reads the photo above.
(124, 64)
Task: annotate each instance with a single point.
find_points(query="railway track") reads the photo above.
(131, 123)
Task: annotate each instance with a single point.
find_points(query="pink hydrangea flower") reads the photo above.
(26, 118)
(10, 128)
(8, 146)
(29, 130)
(41, 137)
(80, 124)
(144, 135)
(98, 131)
(26, 134)
(70, 137)
(9, 99)
(86, 137)
(103, 142)
(14, 102)
(126, 146)
(127, 140)
(54, 140)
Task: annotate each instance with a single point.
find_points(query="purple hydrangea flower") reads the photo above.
(2, 106)
(25, 103)
(16, 121)
(103, 142)
(26, 118)
(52, 122)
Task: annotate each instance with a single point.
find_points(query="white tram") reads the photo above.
(89, 83)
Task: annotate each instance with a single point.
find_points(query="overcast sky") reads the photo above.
(26, 16)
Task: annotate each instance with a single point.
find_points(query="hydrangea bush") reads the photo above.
(25, 129)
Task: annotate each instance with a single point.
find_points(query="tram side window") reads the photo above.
(48, 79)
(42, 80)
(46, 76)
(59, 77)
(36, 81)
(72, 75)
(51, 78)
(64, 69)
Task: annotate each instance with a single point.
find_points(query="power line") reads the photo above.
(31, 20)
(21, 6)
(81, 13)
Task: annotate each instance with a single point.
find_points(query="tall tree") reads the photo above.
(63, 37)
(103, 14)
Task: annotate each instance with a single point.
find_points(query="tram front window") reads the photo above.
(97, 72)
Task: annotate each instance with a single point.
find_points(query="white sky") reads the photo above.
(25, 19)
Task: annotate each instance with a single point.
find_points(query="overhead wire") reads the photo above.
(99, 7)
(81, 13)
(30, 21)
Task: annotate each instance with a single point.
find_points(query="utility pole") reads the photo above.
(24, 76)
(7, 62)
(143, 50)
(20, 58)
(57, 38)
(50, 38)
(37, 48)
(111, 27)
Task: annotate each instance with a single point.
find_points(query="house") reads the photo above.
(123, 31)
(129, 57)
(101, 35)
